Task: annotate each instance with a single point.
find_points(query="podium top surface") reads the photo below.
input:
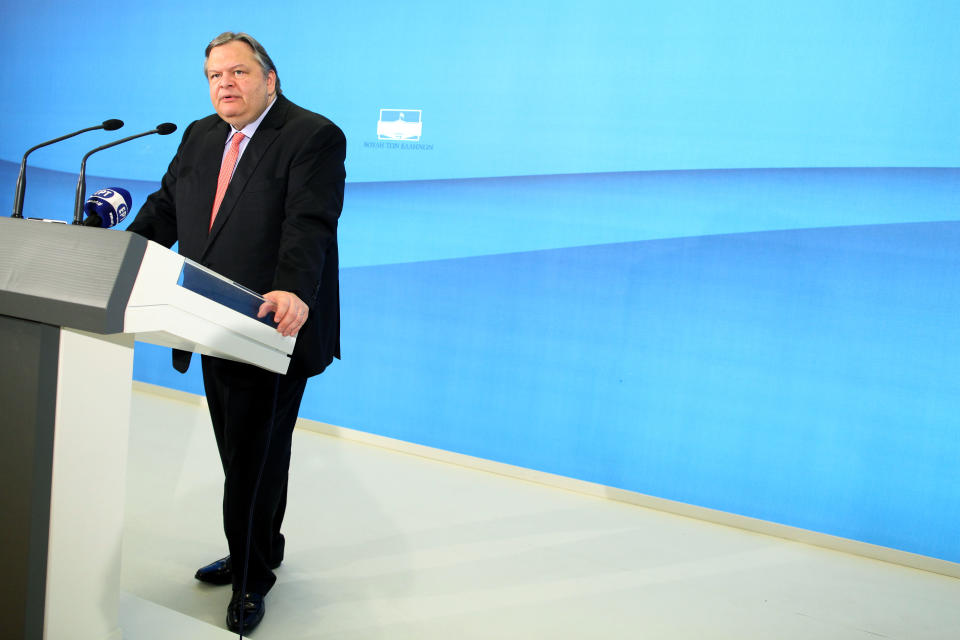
(67, 275)
(108, 282)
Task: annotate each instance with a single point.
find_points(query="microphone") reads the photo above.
(107, 207)
(107, 125)
(163, 129)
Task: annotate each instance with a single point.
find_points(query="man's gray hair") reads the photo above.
(263, 58)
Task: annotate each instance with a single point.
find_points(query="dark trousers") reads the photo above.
(253, 413)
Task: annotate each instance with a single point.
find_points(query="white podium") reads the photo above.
(72, 302)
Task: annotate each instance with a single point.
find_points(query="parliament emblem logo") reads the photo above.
(400, 124)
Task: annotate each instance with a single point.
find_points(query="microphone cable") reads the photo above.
(253, 501)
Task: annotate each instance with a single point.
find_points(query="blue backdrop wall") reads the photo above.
(705, 251)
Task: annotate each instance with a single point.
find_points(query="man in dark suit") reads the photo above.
(254, 193)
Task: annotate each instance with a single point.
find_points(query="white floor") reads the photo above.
(391, 546)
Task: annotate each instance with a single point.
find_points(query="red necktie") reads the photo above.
(226, 172)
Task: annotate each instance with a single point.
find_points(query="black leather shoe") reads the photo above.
(243, 615)
(219, 572)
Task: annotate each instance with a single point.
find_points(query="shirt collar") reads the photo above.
(251, 128)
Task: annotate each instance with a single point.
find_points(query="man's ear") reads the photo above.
(271, 82)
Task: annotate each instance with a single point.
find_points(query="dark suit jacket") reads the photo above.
(277, 225)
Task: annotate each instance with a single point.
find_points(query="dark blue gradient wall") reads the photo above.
(704, 252)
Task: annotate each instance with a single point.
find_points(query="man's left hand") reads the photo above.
(289, 311)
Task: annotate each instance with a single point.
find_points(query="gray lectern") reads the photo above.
(72, 302)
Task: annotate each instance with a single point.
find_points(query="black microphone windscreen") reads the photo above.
(166, 128)
(112, 125)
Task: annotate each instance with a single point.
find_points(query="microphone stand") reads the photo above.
(162, 129)
(109, 125)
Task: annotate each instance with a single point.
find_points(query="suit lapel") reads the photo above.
(262, 140)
